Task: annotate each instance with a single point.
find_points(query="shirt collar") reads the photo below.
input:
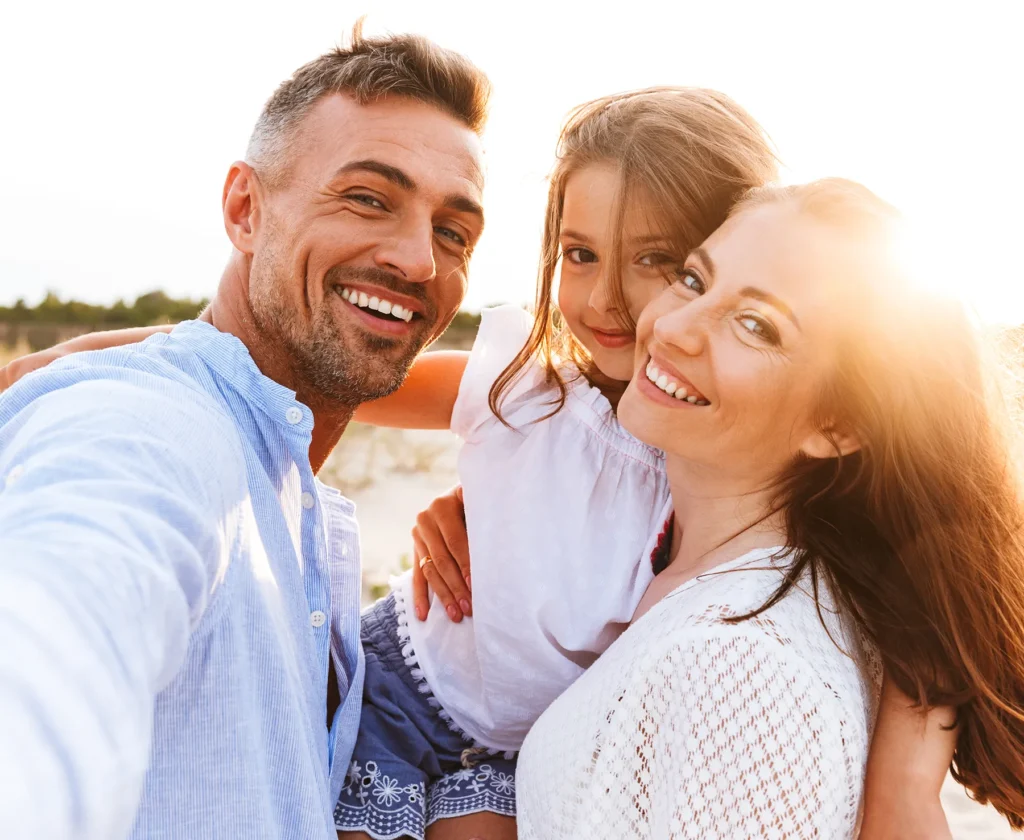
(229, 358)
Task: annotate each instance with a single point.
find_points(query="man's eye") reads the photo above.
(368, 200)
(580, 256)
(448, 233)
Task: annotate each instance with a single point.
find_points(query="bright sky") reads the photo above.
(121, 119)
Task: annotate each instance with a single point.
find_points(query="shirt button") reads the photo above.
(317, 618)
(293, 415)
(307, 500)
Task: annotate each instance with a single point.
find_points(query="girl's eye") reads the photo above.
(691, 281)
(758, 326)
(450, 234)
(368, 200)
(580, 256)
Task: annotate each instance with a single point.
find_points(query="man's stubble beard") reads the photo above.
(348, 369)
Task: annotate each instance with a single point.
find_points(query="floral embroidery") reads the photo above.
(504, 783)
(387, 791)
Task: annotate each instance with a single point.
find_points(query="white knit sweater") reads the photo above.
(688, 727)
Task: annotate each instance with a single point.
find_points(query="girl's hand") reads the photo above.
(442, 557)
(90, 341)
(23, 365)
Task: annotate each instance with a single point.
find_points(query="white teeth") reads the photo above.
(364, 301)
(671, 388)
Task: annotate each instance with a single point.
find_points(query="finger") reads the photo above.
(444, 563)
(450, 518)
(420, 590)
(434, 580)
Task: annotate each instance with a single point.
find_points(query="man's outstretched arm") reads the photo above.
(115, 520)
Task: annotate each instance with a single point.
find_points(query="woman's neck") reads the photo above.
(717, 518)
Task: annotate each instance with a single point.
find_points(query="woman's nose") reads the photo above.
(684, 328)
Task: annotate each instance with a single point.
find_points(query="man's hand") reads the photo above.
(442, 557)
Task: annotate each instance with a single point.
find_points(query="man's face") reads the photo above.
(361, 250)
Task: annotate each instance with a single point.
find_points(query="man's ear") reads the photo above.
(823, 444)
(240, 205)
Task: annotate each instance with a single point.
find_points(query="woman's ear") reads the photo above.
(240, 205)
(823, 443)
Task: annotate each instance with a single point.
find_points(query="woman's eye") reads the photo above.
(692, 282)
(580, 256)
(759, 327)
(448, 233)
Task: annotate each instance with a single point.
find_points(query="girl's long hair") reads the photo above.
(919, 532)
(684, 156)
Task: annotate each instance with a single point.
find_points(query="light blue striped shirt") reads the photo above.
(173, 580)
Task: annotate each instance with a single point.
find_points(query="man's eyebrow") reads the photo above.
(391, 173)
(464, 204)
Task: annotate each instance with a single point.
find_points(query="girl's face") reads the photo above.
(588, 216)
(732, 358)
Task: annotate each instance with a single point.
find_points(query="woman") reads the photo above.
(843, 503)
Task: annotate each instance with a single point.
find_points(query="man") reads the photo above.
(175, 586)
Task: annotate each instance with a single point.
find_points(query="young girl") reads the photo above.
(562, 506)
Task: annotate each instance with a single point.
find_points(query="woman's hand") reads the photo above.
(911, 751)
(442, 557)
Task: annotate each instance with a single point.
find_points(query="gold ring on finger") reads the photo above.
(424, 560)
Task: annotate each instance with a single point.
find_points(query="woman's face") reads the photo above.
(588, 219)
(731, 358)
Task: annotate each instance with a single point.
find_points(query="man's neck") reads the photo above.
(231, 312)
(717, 517)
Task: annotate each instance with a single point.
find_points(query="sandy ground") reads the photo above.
(391, 475)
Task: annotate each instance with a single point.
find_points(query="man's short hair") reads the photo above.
(369, 69)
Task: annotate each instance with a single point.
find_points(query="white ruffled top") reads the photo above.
(562, 515)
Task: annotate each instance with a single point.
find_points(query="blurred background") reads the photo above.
(120, 121)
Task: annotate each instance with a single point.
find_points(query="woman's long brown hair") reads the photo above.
(684, 155)
(919, 532)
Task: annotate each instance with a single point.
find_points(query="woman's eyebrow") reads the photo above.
(748, 291)
(769, 298)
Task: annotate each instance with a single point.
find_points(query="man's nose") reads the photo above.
(409, 253)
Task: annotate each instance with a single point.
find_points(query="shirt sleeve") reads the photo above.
(503, 332)
(115, 525)
(736, 738)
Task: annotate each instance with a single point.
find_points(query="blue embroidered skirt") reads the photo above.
(410, 766)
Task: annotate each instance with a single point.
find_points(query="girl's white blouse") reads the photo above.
(562, 515)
